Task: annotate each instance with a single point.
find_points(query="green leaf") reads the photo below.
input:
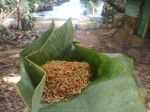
(114, 87)
(37, 44)
(56, 47)
(25, 86)
(31, 85)
(28, 83)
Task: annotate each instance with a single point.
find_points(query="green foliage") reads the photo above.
(3, 39)
(28, 21)
(119, 20)
(2, 29)
(25, 6)
(86, 1)
(25, 11)
(41, 3)
(7, 4)
(91, 5)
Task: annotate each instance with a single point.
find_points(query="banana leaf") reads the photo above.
(114, 87)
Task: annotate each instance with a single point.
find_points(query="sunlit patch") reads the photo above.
(11, 79)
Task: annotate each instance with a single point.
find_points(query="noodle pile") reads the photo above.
(64, 79)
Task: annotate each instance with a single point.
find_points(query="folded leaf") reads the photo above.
(114, 86)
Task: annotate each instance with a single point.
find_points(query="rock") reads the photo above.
(10, 23)
(45, 8)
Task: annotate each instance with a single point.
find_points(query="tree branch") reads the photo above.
(112, 4)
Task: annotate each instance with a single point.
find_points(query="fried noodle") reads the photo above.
(64, 79)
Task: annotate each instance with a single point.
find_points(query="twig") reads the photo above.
(9, 15)
(3, 15)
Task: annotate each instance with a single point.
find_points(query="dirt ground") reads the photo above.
(102, 40)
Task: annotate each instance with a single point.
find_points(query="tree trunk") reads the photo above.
(18, 13)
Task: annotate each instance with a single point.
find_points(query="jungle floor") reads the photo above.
(102, 40)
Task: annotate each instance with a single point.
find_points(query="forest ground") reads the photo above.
(102, 40)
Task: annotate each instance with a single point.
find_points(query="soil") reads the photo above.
(101, 40)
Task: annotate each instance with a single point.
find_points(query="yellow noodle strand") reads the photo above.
(64, 79)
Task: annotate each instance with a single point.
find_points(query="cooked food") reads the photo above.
(64, 79)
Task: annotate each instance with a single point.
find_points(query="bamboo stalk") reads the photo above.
(18, 12)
